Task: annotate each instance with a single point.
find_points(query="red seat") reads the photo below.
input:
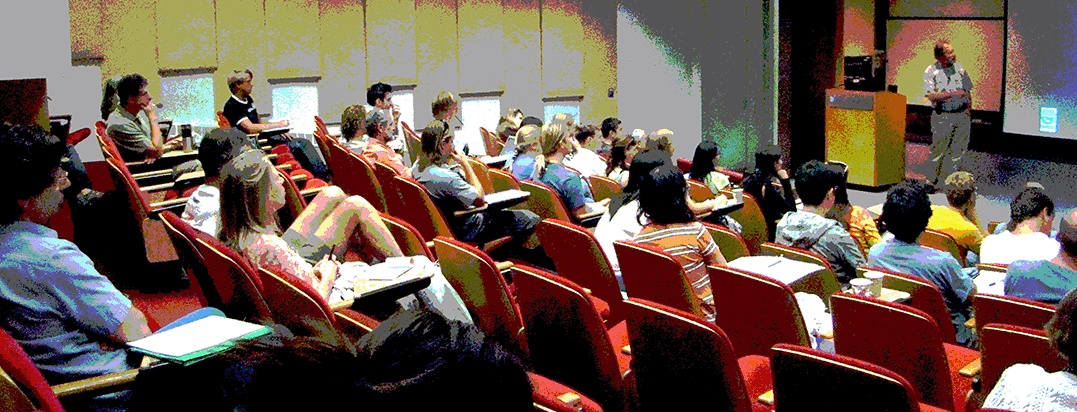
(810, 379)
(236, 288)
(906, 341)
(385, 174)
(355, 176)
(568, 341)
(421, 212)
(409, 239)
(753, 223)
(1005, 345)
(684, 164)
(183, 237)
(222, 122)
(503, 180)
(413, 141)
(651, 273)
(678, 357)
(550, 395)
(547, 204)
(729, 242)
(77, 136)
(1010, 310)
(756, 311)
(924, 296)
(319, 124)
(578, 257)
(324, 141)
(297, 306)
(603, 187)
(474, 276)
(820, 284)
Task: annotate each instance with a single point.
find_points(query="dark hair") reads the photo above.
(622, 146)
(663, 196)
(841, 195)
(703, 160)
(421, 360)
(907, 210)
(218, 147)
(940, 47)
(764, 159)
(351, 121)
(375, 119)
(1067, 234)
(129, 86)
(531, 120)
(585, 132)
(1029, 204)
(610, 125)
(1060, 329)
(109, 100)
(642, 165)
(814, 180)
(377, 91)
(31, 154)
(431, 138)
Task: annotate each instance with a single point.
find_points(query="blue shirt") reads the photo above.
(523, 167)
(568, 184)
(936, 266)
(56, 305)
(1040, 280)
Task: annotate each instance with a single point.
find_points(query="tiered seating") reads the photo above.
(757, 312)
(652, 274)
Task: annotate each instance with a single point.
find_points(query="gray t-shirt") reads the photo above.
(447, 186)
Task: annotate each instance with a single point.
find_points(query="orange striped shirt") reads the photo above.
(693, 248)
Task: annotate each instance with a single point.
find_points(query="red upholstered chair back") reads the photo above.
(753, 223)
(684, 164)
(17, 364)
(503, 180)
(566, 337)
(409, 239)
(222, 121)
(356, 176)
(236, 288)
(924, 296)
(108, 147)
(414, 142)
(651, 273)
(810, 379)
(324, 141)
(484, 291)
(603, 187)
(296, 305)
(385, 174)
(294, 203)
(897, 337)
(677, 356)
(77, 136)
(941, 241)
(319, 125)
(1002, 346)
(1010, 310)
(578, 257)
(729, 242)
(482, 172)
(698, 191)
(546, 203)
(420, 209)
(183, 239)
(756, 311)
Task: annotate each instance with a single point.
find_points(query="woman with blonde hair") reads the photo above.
(556, 144)
(527, 148)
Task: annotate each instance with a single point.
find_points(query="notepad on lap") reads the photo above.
(198, 340)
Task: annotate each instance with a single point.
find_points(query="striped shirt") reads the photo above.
(693, 248)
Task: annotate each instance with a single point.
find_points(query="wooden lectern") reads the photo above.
(866, 130)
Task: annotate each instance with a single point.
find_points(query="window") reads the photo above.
(572, 108)
(406, 101)
(298, 103)
(477, 112)
(188, 99)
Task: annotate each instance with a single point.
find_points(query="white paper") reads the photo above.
(504, 195)
(991, 282)
(782, 269)
(195, 336)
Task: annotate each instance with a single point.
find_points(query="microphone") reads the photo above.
(159, 105)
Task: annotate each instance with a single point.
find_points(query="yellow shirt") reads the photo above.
(948, 220)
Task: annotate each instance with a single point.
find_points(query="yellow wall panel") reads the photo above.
(599, 71)
(437, 53)
(128, 30)
(241, 44)
(562, 39)
(292, 38)
(343, 48)
(391, 41)
(523, 56)
(186, 34)
(86, 38)
(482, 56)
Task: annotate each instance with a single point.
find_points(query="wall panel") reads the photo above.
(562, 39)
(391, 41)
(292, 38)
(437, 53)
(186, 34)
(342, 29)
(128, 30)
(86, 38)
(241, 44)
(482, 53)
(523, 56)
(599, 70)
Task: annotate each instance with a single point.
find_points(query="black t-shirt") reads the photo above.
(235, 111)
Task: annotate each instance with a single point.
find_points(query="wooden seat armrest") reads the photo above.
(344, 304)
(95, 384)
(767, 398)
(153, 173)
(470, 211)
(165, 204)
(971, 323)
(156, 188)
(971, 369)
(503, 266)
(308, 192)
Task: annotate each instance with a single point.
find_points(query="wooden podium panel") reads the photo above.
(866, 130)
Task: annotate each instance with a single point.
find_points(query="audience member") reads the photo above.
(622, 221)
(527, 149)
(531, 120)
(218, 147)
(583, 159)
(660, 140)
(1032, 214)
(380, 96)
(509, 124)
(673, 228)
(959, 219)
(377, 149)
(1047, 280)
(762, 184)
(70, 320)
(621, 154)
(251, 193)
(447, 175)
(611, 130)
(573, 190)
(132, 125)
(241, 114)
(353, 128)
(809, 229)
(906, 213)
(1028, 387)
(705, 166)
(854, 219)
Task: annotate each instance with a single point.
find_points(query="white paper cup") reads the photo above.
(876, 279)
(860, 286)
(738, 195)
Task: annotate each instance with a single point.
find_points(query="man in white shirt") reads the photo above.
(947, 85)
(585, 160)
(203, 209)
(1028, 234)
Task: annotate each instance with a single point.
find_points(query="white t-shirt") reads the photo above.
(1006, 247)
(1027, 387)
(587, 163)
(622, 226)
(203, 210)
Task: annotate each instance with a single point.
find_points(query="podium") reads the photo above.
(866, 130)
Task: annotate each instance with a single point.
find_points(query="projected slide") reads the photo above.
(1041, 69)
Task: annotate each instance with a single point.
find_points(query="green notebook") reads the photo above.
(198, 340)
